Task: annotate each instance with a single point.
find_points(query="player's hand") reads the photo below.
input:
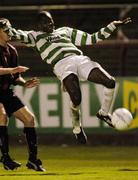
(19, 69)
(122, 22)
(32, 82)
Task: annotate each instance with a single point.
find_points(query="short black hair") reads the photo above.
(4, 22)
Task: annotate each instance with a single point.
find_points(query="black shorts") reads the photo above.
(10, 101)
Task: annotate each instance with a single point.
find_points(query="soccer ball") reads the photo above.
(121, 118)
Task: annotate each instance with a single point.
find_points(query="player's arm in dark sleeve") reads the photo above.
(13, 70)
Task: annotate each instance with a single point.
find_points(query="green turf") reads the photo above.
(78, 163)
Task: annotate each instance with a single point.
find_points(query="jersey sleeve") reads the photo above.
(26, 37)
(80, 38)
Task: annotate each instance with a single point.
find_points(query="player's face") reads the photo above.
(46, 24)
(4, 38)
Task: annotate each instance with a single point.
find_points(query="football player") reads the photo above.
(59, 47)
(10, 104)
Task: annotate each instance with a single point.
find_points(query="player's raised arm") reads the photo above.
(26, 37)
(82, 38)
(22, 36)
(104, 33)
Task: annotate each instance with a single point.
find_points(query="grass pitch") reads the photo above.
(77, 163)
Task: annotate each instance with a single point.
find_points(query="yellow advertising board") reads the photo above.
(130, 100)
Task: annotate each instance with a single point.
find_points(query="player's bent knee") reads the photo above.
(76, 103)
(76, 100)
(30, 121)
(3, 119)
(111, 83)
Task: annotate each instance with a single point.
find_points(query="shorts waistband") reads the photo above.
(64, 57)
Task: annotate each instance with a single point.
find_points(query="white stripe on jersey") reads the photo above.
(89, 39)
(40, 43)
(78, 38)
(106, 35)
(52, 47)
(49, 61)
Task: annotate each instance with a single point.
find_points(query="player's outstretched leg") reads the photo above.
(100, 76)
(105, 118)
(77, 128)
(8, 163)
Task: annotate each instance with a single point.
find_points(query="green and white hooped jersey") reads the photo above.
(61, 43)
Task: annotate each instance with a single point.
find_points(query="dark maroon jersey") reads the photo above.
(8, 58)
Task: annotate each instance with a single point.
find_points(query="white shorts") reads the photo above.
(79, 65)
